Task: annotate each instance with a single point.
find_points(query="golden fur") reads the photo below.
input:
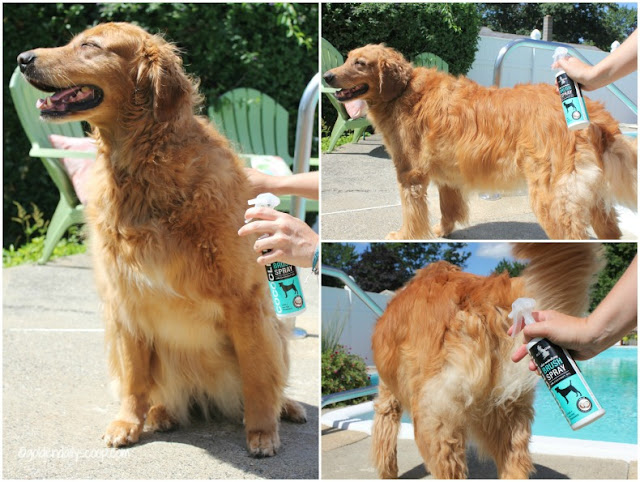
(463, 137)
(443, 354)
(187, 312)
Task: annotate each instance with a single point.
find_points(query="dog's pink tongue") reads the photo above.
(59, 95)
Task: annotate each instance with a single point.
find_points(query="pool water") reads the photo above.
(613, 379)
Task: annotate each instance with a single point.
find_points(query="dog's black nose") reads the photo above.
(328, 77)
(26, 58)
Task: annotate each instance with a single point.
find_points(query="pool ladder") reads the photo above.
(373, 306)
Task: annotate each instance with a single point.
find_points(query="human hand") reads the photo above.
(290, 240)
(261, 182)
(570, 332)
(578, 71)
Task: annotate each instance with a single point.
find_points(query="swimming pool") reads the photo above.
(612, 376)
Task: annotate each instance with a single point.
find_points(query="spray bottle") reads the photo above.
(573, 104)
(559, 371)
(284, 285)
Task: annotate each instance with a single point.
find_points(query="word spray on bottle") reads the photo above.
(559, 371)
(573, 104)
(284, 285)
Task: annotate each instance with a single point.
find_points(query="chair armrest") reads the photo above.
(37, 151)
(328, 90)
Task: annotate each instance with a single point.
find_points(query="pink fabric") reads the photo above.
(78, 169)
(356, 108)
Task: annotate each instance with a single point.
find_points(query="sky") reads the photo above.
(484, 256)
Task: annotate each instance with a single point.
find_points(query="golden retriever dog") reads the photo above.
(189, 320)
(465, 137)
(443, 354)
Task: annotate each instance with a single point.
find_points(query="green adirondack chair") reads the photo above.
(330, 59)
(427, 59)
(257, 126)
(69, 210)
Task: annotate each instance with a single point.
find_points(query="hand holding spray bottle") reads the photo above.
(284, 285)
(558, 370)
(573, 104)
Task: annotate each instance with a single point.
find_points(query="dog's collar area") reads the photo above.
(70, 99)
(348, 94)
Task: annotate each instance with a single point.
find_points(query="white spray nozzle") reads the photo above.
(521, 314)
(265, 200)
(559, 53)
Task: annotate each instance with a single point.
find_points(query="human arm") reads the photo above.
(290, 239)
(305, 184)
(614, 317)
(619, 63)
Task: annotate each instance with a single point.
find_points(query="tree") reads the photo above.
(388, 266)
(338, 255)
(514, 268)
(619, 256)
(596, 24)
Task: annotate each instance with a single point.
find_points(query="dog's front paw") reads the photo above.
(293, 411)
(121, 434)
(393, 235)
(263, 443)
(159, 420)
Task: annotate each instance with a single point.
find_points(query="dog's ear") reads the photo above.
(394, 73)
(161, 81)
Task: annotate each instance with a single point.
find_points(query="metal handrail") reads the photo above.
(544, 45)
(304, 138)
(373, 306)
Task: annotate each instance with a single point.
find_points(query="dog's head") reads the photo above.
(109, 72)
(374, 72)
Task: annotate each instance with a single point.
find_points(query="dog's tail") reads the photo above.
(620, 161)
(384, 434)
(559, 275)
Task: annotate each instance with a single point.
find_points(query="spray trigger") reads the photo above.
(264, 200)
(521, 314)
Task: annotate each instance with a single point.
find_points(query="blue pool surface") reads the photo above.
(613, 378)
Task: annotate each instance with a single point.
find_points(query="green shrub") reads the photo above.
(269, 47)
(342, 370)
(447, 30)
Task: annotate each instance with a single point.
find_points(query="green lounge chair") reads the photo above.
(69, 210)
(258, 127)
(331, 59)
(427, 59)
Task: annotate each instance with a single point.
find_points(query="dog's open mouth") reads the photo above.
(68, 100)
(344, 95)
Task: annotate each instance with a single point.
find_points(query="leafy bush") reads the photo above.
(269, 47)
(447, 30)
(35, 229)
(342, 370)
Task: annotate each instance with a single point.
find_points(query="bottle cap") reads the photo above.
(521, 314)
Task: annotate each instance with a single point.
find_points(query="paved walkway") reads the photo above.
(346, 455)
(360, 201)
(57, 400)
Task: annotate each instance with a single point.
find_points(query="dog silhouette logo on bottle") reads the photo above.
(284, 285)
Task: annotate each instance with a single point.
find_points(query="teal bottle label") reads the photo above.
(573, 105)
(564, 380)
(285, 289)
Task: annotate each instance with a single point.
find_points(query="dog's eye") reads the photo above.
(360, 62)
(85, 45)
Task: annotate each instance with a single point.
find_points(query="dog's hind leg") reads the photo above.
(293, 411)
(386, 425)
(604, 222)
(454, 209)
(504, 433)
